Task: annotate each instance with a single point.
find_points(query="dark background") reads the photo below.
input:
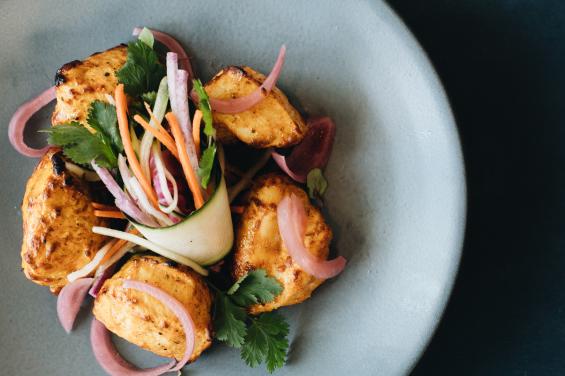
(503, 66)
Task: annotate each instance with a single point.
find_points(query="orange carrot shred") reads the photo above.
(98, 205)
(116, 247)
(165, 139)
(155, 120)
(121, 111)
(151, 114)
(189, 172)
(109, 214)
(196, 121)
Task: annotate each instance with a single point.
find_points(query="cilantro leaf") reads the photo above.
(207, 160)
(204, 106)
(142, 71)
(255, 287)
(80, 145)
(103, 119)
(263, 338)
(229, 321)
(67, 134)
(316, 183)
(266, 340)
(206, 165)
(150, 97)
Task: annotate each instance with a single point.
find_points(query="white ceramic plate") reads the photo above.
(397, 191)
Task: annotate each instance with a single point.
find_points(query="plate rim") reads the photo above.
(441, 97)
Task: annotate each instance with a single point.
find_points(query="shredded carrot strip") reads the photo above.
(109, 214)
(185, 161)
(164, 138)
(97, 205)
(237, 209)
(151, 114)
(196, 121)
(121, 110)
(116, 247)
(155, 120)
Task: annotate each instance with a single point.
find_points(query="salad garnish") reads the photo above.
(209, 153)
(98, 140)
(316, 183)
(142, 71)
(261, 338)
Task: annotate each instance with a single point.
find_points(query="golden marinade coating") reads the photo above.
(145, 321)
(79, 83)
(57, 212)
(273, 122)
(259, 244)
(57, 217)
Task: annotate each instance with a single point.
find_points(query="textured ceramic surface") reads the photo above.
(396, 197)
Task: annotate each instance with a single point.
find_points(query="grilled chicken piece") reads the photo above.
(146, 322)
(57, 221)
(78, 83)
(259, 245)
(271, 123)
(57, 211)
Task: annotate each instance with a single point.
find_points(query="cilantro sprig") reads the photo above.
(229, 321)
(316, 183)
(142, 71)
(262, 338)
(82, 146)
(204, 106)
(255, 287)
(266, 340)
(209, 154)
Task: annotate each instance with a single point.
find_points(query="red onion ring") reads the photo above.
(123, 201)
(181, 94)
(173, 45)
(291, 219)
(172, 69)
(99, 281)
(169, 185)
(111, 361)
(159, 188)
(172, 165)
(281, 161)
(69, 301)
(177, 81)
(19, 121)
(178, 309)
(313, 151)
(236, 105)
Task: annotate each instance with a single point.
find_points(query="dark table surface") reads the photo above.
(502, 63)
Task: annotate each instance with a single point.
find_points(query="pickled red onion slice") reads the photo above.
(291, 219)
(19, 121)
(69, 301)
(236, 105)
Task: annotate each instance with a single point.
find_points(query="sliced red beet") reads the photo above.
(315, 149)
